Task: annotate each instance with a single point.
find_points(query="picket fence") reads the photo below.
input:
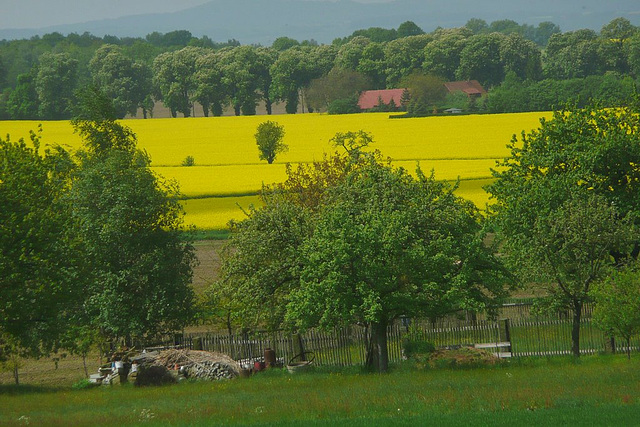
(347, 346)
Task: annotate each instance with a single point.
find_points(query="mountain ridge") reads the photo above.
(255, 22)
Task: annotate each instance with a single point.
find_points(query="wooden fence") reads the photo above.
(347, 346)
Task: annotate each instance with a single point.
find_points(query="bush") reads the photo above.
(414, 344)
(188, 161)
(344, 106)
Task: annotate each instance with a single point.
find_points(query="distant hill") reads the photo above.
(251, 21)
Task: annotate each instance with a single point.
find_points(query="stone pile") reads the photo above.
(199, 364)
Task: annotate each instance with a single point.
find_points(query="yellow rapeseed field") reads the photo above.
(227, 163)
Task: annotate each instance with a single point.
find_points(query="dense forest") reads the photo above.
(524, 68)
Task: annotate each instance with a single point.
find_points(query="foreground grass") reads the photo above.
(599, 390)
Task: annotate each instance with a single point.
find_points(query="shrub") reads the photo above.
(188, 161)
(413, 345)
(344, 106)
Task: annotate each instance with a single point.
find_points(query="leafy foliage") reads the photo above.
(617, 309)
(269, 137)
(39, 275)
(566, 201)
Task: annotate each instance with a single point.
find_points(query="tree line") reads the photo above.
(38, 76)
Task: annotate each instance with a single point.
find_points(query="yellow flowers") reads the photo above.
(227, 164)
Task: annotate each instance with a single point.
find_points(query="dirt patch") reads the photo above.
(208, 269)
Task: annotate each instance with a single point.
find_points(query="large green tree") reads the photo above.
(129, 222)
(350, 239)
(127, 82)
(385, 245)
(480, 59)
(572, 54)
(174, 75)
(565, 201)
(55, 82)
(40, 281)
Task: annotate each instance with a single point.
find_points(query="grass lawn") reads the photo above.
(596, 390)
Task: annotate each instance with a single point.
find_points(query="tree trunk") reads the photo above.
(15, 373)
(379, 341)
(267, 104)
(575, 328)
(84, 365)
(629, 348)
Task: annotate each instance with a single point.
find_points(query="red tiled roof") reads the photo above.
(369, 99)
(470, 87)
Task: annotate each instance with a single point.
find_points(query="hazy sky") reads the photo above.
(43, 13)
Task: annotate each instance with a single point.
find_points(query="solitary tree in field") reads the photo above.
(269, 137)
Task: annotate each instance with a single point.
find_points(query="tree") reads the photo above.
(565, 199)
(409, 28)
(477, 25)
(425, 90)
(294, 69)
(442, 55)
(174, 77)
(211, 90)
(480, 59)
(127, 82)
(55, 83)
(283, 43)
(617, 304)
(615, 36)
(521, 56)
(572, 54)
(269, 137)
(386, 245)
(23, 100)
(40, 281)
(338, 84)
(240, 77)
(138, 267)
(404, 56)
(373, 66)
(350, 53)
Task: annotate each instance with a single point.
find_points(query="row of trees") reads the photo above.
(351, 239)
(215, 76)
(91, 241)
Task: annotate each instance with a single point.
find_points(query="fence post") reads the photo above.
(298, 347)
(197, 343)
(610, 345)
(504, 332)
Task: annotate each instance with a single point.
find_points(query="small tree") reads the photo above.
(617, 310)
(269, 140)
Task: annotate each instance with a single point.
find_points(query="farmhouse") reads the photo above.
(472, 88)
(371, 98)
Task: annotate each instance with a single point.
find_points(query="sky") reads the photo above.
(44, 13)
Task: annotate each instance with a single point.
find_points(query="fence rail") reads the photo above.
(347, 346)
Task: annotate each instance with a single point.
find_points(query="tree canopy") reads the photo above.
(566, 201)
(352, 239)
